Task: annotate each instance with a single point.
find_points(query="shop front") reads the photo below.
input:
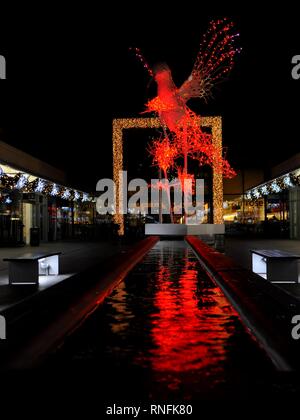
(34, 209)
(281, 204)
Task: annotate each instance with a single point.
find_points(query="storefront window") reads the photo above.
(277, 208)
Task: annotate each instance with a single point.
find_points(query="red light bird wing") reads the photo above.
(214, 60)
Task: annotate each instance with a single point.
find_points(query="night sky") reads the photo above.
(69, 74)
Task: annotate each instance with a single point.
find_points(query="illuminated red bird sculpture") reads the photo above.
(183, 136)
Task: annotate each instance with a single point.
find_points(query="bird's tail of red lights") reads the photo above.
(217, 51)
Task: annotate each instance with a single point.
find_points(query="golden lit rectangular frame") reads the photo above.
(120, 124)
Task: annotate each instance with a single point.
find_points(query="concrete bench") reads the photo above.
(275, 265)
(27, 268)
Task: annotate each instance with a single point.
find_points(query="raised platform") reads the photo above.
(171, 229)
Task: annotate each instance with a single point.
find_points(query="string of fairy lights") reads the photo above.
(215, 123)
(217, 53)
(121, 124)
(274, 186)
(23, 183)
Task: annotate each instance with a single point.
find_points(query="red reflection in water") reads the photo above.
(188, 331)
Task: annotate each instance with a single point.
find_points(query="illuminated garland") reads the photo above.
(275, 186)
(21, 183)
(121, 124)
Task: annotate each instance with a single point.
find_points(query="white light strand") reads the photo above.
(287, 181)
(256, 193)
(76, 195)
(55, 190)
(275, 187)
(21, 182)
(40, 186)
(66, 194)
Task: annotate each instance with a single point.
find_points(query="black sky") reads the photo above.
(69, 74)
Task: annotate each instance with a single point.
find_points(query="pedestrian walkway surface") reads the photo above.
(75, 257)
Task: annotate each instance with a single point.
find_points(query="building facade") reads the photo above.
(36, 202)
(236, 209)
(279, 197)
